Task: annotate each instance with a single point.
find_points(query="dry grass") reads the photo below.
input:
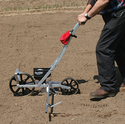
(38, 5)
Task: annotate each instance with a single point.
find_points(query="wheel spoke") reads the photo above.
(21, 77)
(67, 82)
(23, 91)
(28, 89)
(17, 90)
(74, 84)
(14, 79)
(74, 88)
(13, 85)
(27, 78)
(71, 81)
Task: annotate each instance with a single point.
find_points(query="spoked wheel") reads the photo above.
(24, 79)
(71, 83)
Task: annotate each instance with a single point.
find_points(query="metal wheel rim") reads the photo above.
(24, 80)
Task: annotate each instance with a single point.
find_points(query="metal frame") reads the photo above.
(49, 84)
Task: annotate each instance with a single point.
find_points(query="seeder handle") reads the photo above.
(59, 57)
(75, 28)
(64, 48)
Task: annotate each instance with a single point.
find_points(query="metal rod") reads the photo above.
(47, 102)
(59, 58)
(52, 102)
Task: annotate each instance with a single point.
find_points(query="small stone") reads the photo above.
(16, 104)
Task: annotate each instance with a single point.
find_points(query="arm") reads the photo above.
(92, 10)
(90, 4)
(98, 7)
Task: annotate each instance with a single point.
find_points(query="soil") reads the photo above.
(31, 39)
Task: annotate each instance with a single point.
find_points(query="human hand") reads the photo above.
(82, 19)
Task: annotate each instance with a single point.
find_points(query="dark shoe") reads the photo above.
(101, 94)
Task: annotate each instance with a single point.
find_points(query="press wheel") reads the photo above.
(71, 83)
(24, 79)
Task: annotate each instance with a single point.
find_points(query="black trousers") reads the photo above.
(111, 48)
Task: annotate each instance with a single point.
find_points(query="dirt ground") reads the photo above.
(32, 39)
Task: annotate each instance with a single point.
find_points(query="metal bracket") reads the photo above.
(47, 102)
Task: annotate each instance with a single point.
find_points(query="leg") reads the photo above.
(105, 61)
(120, 57)
(105, 51)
